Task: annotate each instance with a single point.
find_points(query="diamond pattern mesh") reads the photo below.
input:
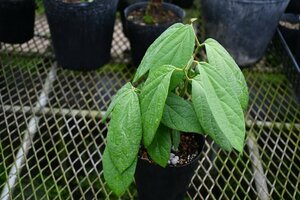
(52, 137)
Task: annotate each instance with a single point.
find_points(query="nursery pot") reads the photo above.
(16, 21)
(123, 4)
(142, 36)
(243, 27)
(289, 26)
(184, 3)
(293, 7)
(81, 32)
(171, 183)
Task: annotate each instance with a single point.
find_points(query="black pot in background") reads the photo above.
(16, 21)
(243, 27)
(81, 32)
(289, 26)
(123, 4)
(142, 36)
(170, 183)
(183, 3)
(293, 7)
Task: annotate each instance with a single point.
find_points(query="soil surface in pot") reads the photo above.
(187, 151)
(159, 16)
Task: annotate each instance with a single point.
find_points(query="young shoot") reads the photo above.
(179, 94)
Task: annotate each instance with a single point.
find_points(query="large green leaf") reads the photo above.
(176, 79)
(179, 114)
(221, 59)
(121, 92)
(153, 97)
(160, 148)
(125, 131)
(118, 182)
(175, 47)
(218, 109)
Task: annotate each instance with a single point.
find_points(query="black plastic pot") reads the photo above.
(16, 21)
(81, 32)
(123, 4)
(293, 7)
(288, 27)
(142, 36)
(171, 183)
(184, 3)
(291, 68)
(243, 27)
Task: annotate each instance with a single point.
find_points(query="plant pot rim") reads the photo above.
(258, 1)
(166, 6)
(201, 141)
(75, 5)
(16, 2)
(290, 17)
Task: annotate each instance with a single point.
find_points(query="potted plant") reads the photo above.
(154, 122)
(145, 21)
(16, 21)
(81, 31)
(244, 27)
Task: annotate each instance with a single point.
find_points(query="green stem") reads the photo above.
(175, 135)
(199, 45)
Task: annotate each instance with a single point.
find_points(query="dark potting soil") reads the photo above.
(159, 16)
(187, 150)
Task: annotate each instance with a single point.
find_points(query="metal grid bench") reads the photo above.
(52, 140)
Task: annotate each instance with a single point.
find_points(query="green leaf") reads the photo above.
(121, 92)
(175, 46)
(218, 109)
(125, 131)
(176, 79)
(118, 182)
(153, 97)
(180, 115)
(160, 148)
(175, 139)
(221, 59)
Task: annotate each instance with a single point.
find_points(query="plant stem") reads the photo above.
(197, 41)
(175, 135)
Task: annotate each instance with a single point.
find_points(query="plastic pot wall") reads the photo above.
(293, 7)
(142, 36)
(291, 35)
(243, 27)
(81, 32)
(171, 183)
(184, 3)
(16, 21)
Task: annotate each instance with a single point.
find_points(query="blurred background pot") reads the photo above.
(183, 3)
(123, 4)
(289, 26)
(81, 32)
(293, 7)
(243, 27)
(141, 36)
(16, 21)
